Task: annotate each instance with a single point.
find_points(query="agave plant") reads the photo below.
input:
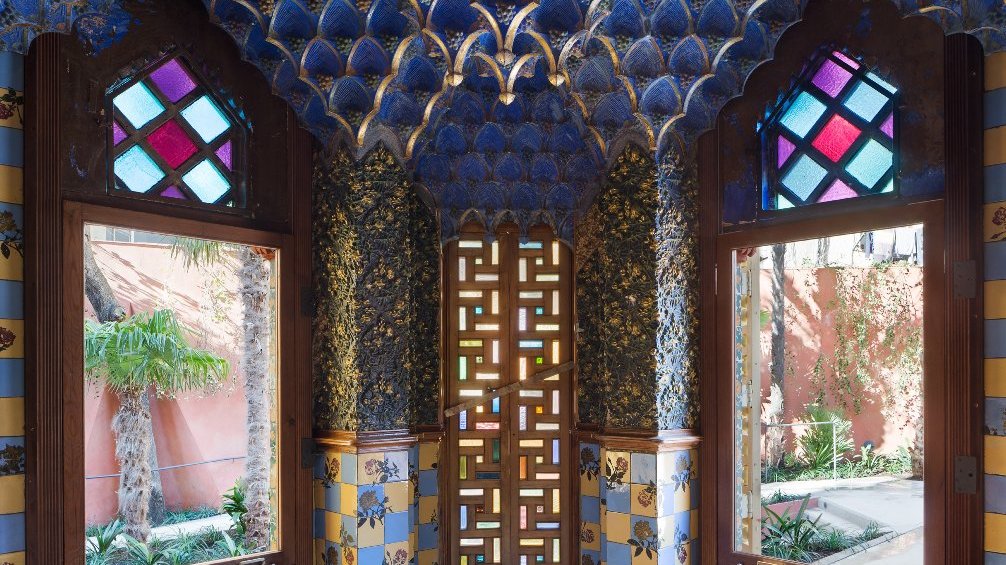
(145, 554)
(140, 352)
(790, 537)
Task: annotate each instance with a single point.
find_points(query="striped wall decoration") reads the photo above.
(12, 446)
(995, 309)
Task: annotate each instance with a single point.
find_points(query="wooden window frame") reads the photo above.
(953, 303)
(54, 219)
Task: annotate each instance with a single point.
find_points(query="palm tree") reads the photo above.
(131, 355)
(254, 277)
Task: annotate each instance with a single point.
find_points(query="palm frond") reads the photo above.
(149, 349)
(197, 252)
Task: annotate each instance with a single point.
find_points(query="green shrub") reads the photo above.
(235, 507)
(816, 446)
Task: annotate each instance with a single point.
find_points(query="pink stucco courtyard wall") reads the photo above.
(188, 429)
(810, 333)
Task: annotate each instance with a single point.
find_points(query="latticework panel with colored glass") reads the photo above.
(542, 411)
(171, 137)
(509, 316)
(479, 364)
(833, 136)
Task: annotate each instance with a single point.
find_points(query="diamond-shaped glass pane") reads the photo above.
(803, 114)
(865, 101)
(837, 191)
(137, 170)
(173, 81)
(804, 176)
(206, 181)
(172, 144)
(831, 78)
(871, 163)
(204, 117)
(138, 104)
(783, 151)
(836, 137)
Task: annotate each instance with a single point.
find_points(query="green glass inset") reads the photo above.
(462, 368)
(496, 450)
(463, 467)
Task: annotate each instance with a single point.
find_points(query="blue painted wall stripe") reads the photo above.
(11, 147)
(995, 261)
(11, 533)
(12, 70)
(995, 108)
(11, 377)
(995, 183)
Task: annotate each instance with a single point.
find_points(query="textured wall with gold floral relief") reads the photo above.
(376, 287)
(617, 298)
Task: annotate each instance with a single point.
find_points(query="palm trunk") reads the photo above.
(132, 449)
(773, 414)
(255, 363)
(106, 307)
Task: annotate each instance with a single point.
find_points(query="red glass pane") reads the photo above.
(172, 144)
(836, 138)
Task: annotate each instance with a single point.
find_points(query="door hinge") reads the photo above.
(965, 474)
(306, 301)
(965, 279)
(307, 452)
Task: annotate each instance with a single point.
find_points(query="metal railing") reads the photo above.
(170, 467)
(834, 441)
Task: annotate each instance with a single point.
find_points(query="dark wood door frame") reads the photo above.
(954, 518)
(53, 231)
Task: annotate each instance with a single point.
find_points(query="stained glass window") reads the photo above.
(172, 138)
(832, 136)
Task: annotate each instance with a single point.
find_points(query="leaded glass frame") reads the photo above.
(171, 138)
(833, 136)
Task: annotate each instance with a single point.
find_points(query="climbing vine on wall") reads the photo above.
(617, 298)
(374, 282)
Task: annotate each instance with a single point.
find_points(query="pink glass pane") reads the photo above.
(785, 149)
(831, 78)
(117, 134)
(888, 126)
(173, 81)
(172, 144)
(836, 137)
(224, 154)
(847, 60)
(173, 192)
(837, 191)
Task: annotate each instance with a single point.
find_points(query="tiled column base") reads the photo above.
(638, 502)
(376, 502)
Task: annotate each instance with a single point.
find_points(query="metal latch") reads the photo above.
(965, 474)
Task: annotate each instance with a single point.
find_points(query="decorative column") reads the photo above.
(637, 360)
(376, 363)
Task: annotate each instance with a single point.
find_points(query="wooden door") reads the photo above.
(509, 350)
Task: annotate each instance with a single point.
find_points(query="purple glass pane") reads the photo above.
(888, 126)
(831, 78)
(837, 191)
(785, 149)
(117, 134)
(173, 81)
(173, 192)
(224, 154)
(846, 59)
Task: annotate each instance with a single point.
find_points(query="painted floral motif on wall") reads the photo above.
(12, 460)
(380, 470)
(589, 464)
(371, 508)
(644, 539)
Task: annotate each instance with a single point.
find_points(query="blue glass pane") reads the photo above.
(206, 181)
(803, 114)
(871, 163)
(204, 117)
(137, 170)
(803, 177)
(138, 104)
(866, 101)
(883, 83)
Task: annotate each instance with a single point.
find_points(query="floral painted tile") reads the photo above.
(397, 553)
(428, 557)
(428, 509)
(590, 536)
(398, 496)
(643, 500)
(616, 468)
(396, 465)
(332, 469)
(643, 539)
(428, 456)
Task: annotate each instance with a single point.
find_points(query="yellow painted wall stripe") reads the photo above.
(16, 558)
(12, 416)
(11, 494)
(995, 455)
(995, 299)
(995, 71)
(995, 146)
(995, 377)
(995, 532)
(11, 186)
